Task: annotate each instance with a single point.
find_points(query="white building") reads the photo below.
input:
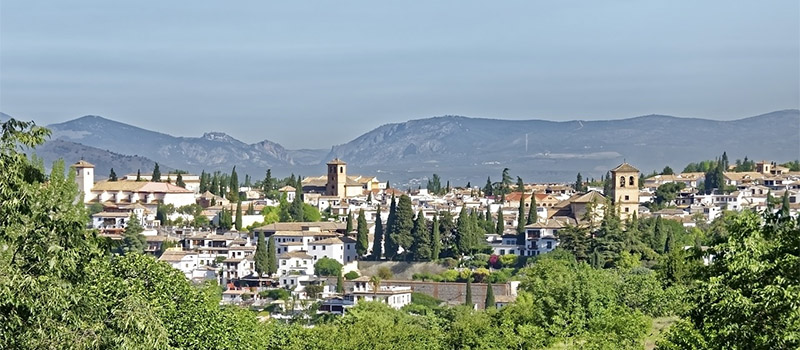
(540, 237)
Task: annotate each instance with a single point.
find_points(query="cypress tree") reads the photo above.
(261, 257)
(579, 183)
(203, 182)
(403, 223)
(669, 242)
(283, 210)
(468, 298)
(489, 296)
(500, 222)
(250, 209)
(436, 241)
(390, 245)
(234, 186)
(784, 211)
(488, 190)
(179, 181)
(422, 241)
(520, 185)
(349, 221)
(156, 174)
(138, 175)
(362, 241)
(214, 187)
(377, 245)
(238, 224)
(112, 176)
(272, 258)
(532, 215)
(521, 215)
(296, 208)
(339, 283)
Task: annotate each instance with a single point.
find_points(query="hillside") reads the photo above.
(103, 160)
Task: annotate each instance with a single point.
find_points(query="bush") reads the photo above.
(327, 267)
(385, 273)
(509, 260)
(449, 276)
(277, 294)
(426, 276)
(480, 275)
(449, 263)
(425, 300)
(351, 275)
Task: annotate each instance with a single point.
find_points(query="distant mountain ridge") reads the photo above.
(460, 148)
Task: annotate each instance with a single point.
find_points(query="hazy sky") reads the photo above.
(314, 74)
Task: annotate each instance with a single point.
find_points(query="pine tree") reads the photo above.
(489, 295)
(377, 243)
(421, 247)
(261, 257)
(362, 241)
(468, 297)
(390, 246)
(238, 223)
(132, 239)
(500, 222)
(272, 258)
(436, 240)
(234, 186)
(403, 223)
(156, 174)
(532, 215)
(488, 190)
(112, 176)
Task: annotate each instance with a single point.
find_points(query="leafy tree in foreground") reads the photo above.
(748, 297)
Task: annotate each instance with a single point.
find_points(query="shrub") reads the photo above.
(327, 267)
(449, 263)
(385, 273)
(351, 275)
(480, 274)
(449, 276)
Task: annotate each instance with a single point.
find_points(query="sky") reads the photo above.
(312, 74)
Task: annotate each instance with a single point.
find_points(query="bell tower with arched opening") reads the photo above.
(337, 178)
(625, 190)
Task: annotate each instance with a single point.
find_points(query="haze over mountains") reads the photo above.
(458, 148)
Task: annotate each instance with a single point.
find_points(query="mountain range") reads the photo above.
(457, 148)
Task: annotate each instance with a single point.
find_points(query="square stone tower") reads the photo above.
(625, 190)
(84, 175)
(337, 178)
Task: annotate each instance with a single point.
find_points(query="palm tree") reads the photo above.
(375, 281)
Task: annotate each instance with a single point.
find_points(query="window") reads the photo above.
(630, 181)
(502, 252)
(627, 209)
(627, 198)
(341, 169)
(621, 181)
(283, 262)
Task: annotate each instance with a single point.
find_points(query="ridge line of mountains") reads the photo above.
(457, 148)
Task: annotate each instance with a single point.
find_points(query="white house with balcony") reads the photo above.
(542, 237)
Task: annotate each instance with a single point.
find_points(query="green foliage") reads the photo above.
(421, 248)
(436, 240)
(489, 302)
(310, 213)
(261, 257)
(351, 275)
(327, 267)
(362, 240)
(112, 176)
(390, 245)
(377, 243)
(238, 223)
(747, 298)
(469, 237)
(156, 174)
(95, 208)
(385, 273)
(403, 224)
(132, 239)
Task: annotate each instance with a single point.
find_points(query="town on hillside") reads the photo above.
(322, 244)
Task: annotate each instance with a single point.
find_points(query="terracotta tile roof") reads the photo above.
(625, 168)
(83, 164)
(295, 254)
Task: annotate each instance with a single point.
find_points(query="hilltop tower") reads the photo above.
(625, 190)
(337, 178)
(84, 176)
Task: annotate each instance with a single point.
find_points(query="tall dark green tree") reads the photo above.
(362, 241)
(349, 222)
(520, 185)
(138, 175)
(233, 185)
(132, 239)
(296, 208)
(403, 223)
(468, 237)
(575, 239)
(489, 303)
(390, 245)
(262, 257)
(156, 174)
(468, 297)
(238, 223)
(488, 189)
(501, 223)
(179, 181)
(339, 283)
(272, 256)
(112, 176)
(436, 240)
(532, 215)
(377, 242)
(421, 248)
(521, 217)
(505, 183)
(579, 184)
